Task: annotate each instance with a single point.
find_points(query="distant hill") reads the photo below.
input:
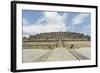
(57, 35)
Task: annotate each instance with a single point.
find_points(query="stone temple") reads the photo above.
(54, 36)
(57, 39)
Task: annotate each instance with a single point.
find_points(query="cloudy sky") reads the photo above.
(43, 21)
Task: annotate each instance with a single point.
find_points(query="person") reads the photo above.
(71, 46)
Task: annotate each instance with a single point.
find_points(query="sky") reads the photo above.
(48, 21)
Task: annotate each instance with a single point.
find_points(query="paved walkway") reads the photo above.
(61, 54)
(60, 44)
(57, 54)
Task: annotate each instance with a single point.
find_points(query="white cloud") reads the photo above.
(79, 19)
(53, 18)
(54, 23)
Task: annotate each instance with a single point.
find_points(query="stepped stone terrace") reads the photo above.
(53, 36)
(51, 40)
